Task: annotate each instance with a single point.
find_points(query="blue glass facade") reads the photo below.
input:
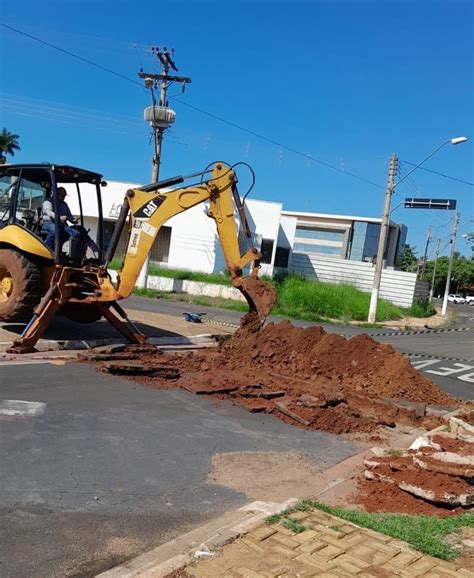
(365, 240)
(326, 249)
(357, 242)
(320, 234)
(359, 232)
(320, 240)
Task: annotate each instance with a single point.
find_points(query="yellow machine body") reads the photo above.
(90, 287)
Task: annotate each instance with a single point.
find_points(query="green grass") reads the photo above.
(181, 274)
(395, 453)
(302, 299)
(425, 533)
(294, 525)
(192, 299)
(421, 309)
(298, 298)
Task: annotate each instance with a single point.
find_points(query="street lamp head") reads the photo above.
(458, 140)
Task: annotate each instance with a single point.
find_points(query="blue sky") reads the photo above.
(346, 82)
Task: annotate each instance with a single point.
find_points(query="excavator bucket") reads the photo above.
(261, 297)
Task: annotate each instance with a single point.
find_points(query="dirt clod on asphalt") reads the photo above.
(308, 378)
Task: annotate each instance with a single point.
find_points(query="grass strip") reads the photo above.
(425, 533)
(299, 298)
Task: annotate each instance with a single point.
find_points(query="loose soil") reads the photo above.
(306, 377)
(460, 447)
(383, 497)
(431, 480)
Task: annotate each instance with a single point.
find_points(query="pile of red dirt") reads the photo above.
(357, 365)
(382, 497)
(435, 475)
(308, 378)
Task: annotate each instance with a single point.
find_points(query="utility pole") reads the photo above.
(382, 239)
(450, 266)
(433, 276)
(160, 118)
(425, 256)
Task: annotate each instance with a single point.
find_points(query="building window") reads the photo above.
(324, 249)
(322, 240)
(266, 250)
(282, 256)
(160, 249)
(320, 234)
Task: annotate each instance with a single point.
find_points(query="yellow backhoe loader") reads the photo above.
(36, 281)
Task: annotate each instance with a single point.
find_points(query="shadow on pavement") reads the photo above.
(62, 328)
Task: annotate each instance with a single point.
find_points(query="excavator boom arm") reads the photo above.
(149, 212)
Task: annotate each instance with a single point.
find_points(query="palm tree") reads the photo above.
(8, 145)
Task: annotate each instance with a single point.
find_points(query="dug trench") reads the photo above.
(304, 376)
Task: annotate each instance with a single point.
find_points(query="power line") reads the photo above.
(441, 174)
(221, 119)
(64, 51)
(276, 143)
(198, 109)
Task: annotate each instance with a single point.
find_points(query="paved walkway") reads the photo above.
(328, 547)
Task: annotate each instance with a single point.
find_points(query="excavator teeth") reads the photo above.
(261, 297)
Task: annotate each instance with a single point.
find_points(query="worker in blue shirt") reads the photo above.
(65, 217)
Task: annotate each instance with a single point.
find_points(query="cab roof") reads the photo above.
(63, 173)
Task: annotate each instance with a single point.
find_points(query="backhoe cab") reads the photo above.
(36, 281)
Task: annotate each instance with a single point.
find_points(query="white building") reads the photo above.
(188, 240)
(330, 248)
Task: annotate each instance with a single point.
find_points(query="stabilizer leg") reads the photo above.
(124, 325)
(38, 324)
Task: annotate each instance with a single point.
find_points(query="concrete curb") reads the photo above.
(439, 357)
(419, 332)
(203, 541)
(198, 543)
(79, 344)
(389, 333)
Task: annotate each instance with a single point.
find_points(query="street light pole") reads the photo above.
(450, 266)
(435, 265)
(385, 221)
(382, 239)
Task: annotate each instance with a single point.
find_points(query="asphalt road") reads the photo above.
(103, 469)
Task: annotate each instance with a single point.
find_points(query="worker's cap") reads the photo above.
(62, 190)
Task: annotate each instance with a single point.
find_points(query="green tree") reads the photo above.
(462, 275)
(409, 259)
(8, 145)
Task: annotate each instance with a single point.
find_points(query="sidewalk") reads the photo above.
(242, 545)
(327, 547)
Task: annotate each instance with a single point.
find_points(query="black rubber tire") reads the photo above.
(86, 313)
(17, 303)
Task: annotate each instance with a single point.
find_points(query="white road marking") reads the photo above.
(453, 370)
(424, 363)
(16, 407)
(445, 371)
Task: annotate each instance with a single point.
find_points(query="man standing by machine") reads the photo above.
(65, 217)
